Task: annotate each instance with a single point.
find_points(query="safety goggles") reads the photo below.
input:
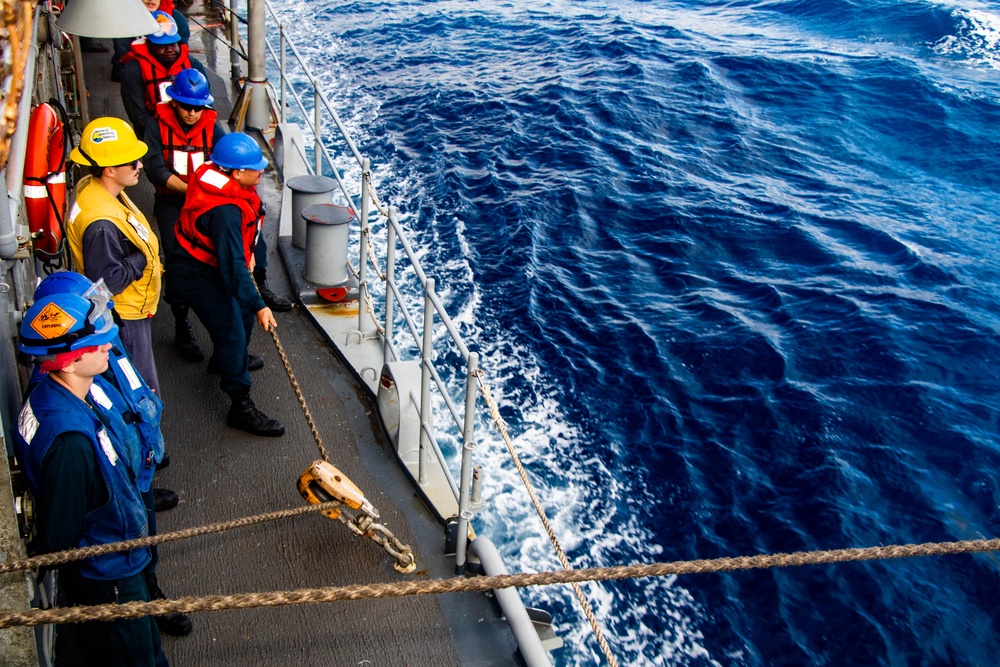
(100, 316)
(191, 107)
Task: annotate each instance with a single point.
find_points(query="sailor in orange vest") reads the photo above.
(121, 45)
(109, 237)
(180, 140)
(149, 67)
(210, 269)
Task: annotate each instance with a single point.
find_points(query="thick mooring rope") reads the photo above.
(60, 557)
(481, 584)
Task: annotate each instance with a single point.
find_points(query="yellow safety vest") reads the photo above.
(140, 299)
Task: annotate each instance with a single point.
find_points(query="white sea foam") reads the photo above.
(977, 36)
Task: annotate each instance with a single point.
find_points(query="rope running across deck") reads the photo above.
(481, 584)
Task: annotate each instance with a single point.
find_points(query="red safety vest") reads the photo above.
(185, 148)
(155, 75)
(210, 188)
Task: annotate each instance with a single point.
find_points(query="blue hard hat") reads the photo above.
(167, 34)
(64, 321)
(238, 151)
(190, 87)
(63, 282)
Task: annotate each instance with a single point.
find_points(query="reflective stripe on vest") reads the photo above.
(185, 145)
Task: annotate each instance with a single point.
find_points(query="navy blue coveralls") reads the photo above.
(225, 298)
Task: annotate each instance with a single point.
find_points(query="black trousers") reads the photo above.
(132, 642)
(200, 286)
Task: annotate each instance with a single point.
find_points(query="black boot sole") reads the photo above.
(270, 433)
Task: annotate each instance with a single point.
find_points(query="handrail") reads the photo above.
(323, 160)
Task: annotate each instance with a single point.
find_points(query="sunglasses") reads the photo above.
(191, 107)
(134, 164)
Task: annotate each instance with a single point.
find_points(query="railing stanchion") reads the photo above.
(425, 380)
(318, 139)
(234, 38)
(468, 446)
(363, 246)
(390, 278)
(281, 51)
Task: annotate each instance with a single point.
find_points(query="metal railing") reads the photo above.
(433, 310)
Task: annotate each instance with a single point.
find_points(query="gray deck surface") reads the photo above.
(222, 474)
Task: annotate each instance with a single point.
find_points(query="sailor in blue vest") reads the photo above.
(75, 450)
(143, 410)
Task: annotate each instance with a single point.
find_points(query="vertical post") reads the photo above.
(468, 446)
(281, 51)
(317, 137)
(390, 278)
(255, 86)
(366, 166)
(234, 39)
(425, 381)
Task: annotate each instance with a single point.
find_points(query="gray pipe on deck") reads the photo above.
(530, 645)
(258, 109)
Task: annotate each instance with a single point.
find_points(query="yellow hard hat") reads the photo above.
(108, 142)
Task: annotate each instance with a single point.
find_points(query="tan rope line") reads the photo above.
(461, 584)
(501, 425)
(372, 257)
(299, 395)
(60, 557)
(382, 208)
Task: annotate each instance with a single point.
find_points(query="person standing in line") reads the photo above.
(142, 410)
(121, 45)
(74, 448)
(110, 238)
(210, 269)
(180, 139)
(149, 67)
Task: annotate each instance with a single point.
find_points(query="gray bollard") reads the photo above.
(307, 190)
(326, 243)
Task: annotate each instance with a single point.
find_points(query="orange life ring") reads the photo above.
(45, 180)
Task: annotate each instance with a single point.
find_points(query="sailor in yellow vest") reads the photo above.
(109, 237)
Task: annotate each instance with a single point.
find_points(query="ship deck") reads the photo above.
(222, 474)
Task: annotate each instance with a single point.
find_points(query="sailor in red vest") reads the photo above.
(149, 67)
(180, 140)
(123, 44)
(210, 269)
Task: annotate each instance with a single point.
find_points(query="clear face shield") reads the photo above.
(100, 316)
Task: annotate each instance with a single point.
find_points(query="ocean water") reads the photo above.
(732, 269)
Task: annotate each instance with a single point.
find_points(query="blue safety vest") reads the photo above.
(52, 410)
(142, 408)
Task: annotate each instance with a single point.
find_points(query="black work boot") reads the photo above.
(176, 624)
(184, 340)
(245, 416)
(164, 499)
(278, 304)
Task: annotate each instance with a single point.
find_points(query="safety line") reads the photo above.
(189, 605)
(60, 557)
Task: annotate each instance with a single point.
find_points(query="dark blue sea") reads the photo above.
(733, 269)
